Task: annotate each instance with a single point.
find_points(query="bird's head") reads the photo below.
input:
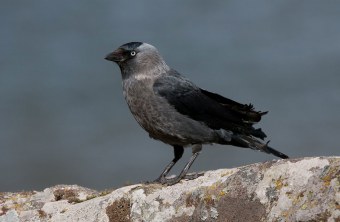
(137, 57)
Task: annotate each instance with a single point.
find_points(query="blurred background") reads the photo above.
(63, 118)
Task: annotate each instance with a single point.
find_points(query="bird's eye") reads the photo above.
(133, 53)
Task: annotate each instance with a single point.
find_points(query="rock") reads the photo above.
(305, 189)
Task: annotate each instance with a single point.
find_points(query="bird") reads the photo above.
(172, 109)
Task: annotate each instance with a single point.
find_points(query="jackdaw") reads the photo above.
(175, 111)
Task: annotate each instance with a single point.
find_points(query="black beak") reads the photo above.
(116, 56)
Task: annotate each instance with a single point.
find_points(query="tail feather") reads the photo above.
(277, 153)
(252, 143)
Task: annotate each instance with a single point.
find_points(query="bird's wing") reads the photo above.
(212, 109)
(246, 110)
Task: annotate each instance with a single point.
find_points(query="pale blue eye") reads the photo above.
(133, 53)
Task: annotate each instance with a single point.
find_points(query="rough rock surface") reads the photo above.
(305, 189)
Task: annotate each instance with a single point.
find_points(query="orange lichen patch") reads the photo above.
(222, 193)
(212, 194)
(331, 172)
(278, 184)
(209, 200)
(119, 210)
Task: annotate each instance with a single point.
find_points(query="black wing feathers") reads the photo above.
(247, 111)
(214, 110)
(190, 102)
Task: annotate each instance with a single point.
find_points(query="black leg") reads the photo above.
(196, 150)
(178, 152)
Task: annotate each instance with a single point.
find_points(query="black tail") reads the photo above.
(275, 152)
(252, 143)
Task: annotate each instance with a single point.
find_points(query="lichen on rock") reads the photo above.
(306, 189)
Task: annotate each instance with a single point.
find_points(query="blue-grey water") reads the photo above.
(63, 119)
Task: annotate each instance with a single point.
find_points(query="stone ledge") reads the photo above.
(306, 189)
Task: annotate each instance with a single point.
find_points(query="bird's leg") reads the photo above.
(178, 152)
(196, 150)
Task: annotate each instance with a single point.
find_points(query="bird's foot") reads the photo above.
(169, 181)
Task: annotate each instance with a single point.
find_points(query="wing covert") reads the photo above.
(189, 100)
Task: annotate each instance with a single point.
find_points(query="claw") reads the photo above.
(173, 180)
